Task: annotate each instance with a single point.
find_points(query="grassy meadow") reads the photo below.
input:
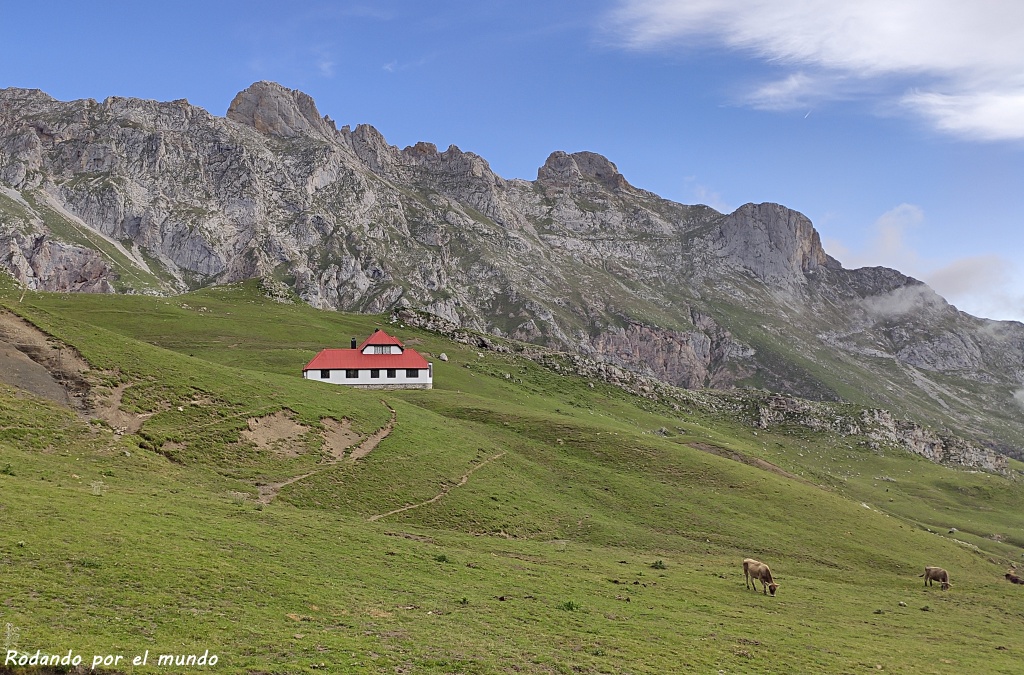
(514, 520)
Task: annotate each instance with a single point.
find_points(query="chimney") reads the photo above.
(353, 343)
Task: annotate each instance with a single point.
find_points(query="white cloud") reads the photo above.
(887, 246)
(396, 66)
(324, 62)
(989, 286)
(970, 275)
(797, 90)
(988, 116)
(900, 301)
(961, 60)
(705, 195)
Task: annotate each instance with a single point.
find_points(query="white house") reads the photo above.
(381, 362)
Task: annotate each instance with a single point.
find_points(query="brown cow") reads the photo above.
(1013, 578)
(755, 570)
(936, 574)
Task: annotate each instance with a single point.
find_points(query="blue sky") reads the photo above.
(896, 126)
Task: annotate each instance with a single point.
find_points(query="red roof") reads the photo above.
(344, 359)
(379, 337)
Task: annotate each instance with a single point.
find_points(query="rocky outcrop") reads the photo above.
(707, 357)
(880, 428)
(42, 264)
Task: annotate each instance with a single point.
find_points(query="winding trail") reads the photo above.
(367, 446)
(442, 493)
(270, 490)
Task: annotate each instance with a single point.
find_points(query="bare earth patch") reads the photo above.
(277, 432)
(338, 437)
(107, 407)
(171, 447)
(33, 361)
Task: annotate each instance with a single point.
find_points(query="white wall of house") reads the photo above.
(365, 377)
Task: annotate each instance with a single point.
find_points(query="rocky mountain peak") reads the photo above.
(20, 93)
(564, 170)
(278, 111)
(776, 244)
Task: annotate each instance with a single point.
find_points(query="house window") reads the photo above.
(381, 349)
(374, 373)
(392, 372)
(351, 372)
(325, 374)
(412, 372)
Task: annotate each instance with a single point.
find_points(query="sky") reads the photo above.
(896, 126)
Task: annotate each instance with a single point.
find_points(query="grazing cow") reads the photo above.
(936, 574)
(755, 570)
(1013, 578)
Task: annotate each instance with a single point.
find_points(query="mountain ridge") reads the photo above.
(144, 196)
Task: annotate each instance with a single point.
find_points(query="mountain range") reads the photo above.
(139, 196)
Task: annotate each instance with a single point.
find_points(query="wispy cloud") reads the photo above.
(987, 285)
(396, 66)
(702, 194)
(955, 64)
(324, 62)
(887, 242)
(984, 285)
(797, 90)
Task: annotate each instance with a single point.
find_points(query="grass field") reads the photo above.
(515, 519)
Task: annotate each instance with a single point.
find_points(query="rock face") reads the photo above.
(882, 429)
(146, 196)
(273, 110)
(777, 245)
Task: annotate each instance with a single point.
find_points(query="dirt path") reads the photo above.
(364, 448)
(108, 408)
(442, 493)
(737, 456)
(269, 491)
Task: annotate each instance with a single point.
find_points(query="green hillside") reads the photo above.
(514, 520)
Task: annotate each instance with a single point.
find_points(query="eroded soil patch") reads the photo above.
(338, 437)
(33, 361)
(107, 407)
(278, 433)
